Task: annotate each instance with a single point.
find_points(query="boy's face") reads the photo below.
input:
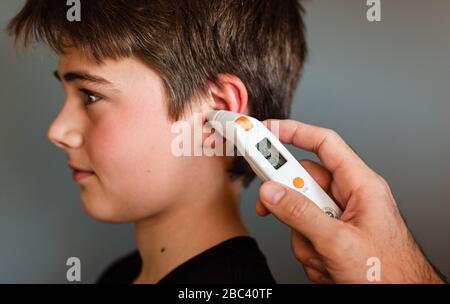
(118, 129)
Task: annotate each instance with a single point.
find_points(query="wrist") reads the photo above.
(422, 271)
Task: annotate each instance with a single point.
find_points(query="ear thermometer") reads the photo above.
(268, 157)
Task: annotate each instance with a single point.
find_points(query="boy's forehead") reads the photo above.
(115, 70)
(75, 59)
(123, 75)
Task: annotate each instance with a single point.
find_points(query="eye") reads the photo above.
(90, 97)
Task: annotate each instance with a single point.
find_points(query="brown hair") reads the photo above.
(188, 43)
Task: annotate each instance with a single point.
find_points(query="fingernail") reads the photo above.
(272, 193)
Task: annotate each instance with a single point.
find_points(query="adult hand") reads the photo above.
(338, 251)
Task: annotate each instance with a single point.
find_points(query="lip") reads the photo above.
(79, 174)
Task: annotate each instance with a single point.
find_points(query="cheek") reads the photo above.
(130, 151)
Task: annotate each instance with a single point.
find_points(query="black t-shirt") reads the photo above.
(235, 261)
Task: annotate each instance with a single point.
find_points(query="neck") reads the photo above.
(190, 227)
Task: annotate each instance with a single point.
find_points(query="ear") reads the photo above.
(232, 96)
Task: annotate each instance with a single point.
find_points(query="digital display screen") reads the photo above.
(270, 153)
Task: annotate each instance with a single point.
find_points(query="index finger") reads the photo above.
(334, 153)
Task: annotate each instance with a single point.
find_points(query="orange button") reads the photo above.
(298, 182)
(244, 122)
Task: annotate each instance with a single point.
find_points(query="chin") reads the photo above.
(104, 211)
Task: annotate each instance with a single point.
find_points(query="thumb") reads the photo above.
(297, 211)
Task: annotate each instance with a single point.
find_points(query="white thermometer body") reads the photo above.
(268, 157)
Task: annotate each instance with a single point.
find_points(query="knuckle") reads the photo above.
(384, 184)
(331, 134)
(297, 209)
(381, 187)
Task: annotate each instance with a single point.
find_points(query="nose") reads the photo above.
(64, 131)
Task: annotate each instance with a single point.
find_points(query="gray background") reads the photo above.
(384, 86)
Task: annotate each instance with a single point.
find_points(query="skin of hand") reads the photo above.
(337, 250)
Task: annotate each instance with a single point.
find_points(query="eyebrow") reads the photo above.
(83, 76)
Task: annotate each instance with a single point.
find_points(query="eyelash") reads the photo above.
(90, 94)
